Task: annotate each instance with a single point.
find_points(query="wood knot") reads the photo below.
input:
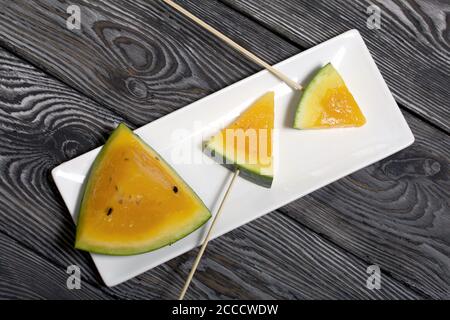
(71, 148)
(413, 168)
(137, 88)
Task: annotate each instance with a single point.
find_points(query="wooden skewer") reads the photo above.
(294, 85)
(208, 236)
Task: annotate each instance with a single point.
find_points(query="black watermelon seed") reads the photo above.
(175, 189)
(109, 211)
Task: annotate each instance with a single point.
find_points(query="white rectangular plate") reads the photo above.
(306, 160)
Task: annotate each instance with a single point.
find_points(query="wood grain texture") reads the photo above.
(412, 48)
(395, 213)
(139, 58)
(42, 122)
(25, 275)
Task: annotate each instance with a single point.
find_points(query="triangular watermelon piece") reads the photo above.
(134, 201)
(327, 103)
(247, 142)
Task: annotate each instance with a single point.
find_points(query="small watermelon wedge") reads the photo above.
(327, 103)
(247, 143)
(133, 201)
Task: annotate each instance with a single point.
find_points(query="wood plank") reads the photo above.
(43, 123)
(412, 48)
(139, 58)
(24, 275)
(395, 213)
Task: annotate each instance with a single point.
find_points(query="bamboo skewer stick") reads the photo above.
(208, 236)
(294, 85)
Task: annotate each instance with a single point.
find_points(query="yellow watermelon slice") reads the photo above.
(134, 202)
(327, 103)
(247, 143)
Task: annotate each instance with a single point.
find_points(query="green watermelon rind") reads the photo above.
(245, 172)
(204, 214)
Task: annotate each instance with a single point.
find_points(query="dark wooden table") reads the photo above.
(62, 91)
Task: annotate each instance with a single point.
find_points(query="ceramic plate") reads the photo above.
(305, 160)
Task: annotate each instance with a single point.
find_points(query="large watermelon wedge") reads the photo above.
(134, 201)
